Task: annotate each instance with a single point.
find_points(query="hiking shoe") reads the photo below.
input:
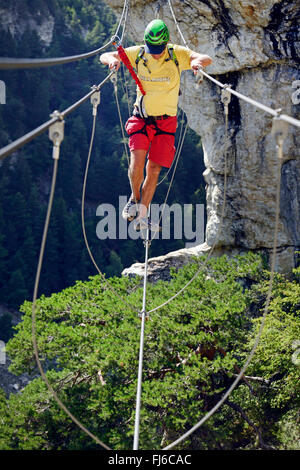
(144, 224)
(130, 210)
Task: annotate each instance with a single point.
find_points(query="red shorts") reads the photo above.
(143, 135)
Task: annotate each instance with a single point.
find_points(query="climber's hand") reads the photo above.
(199, 61)
(111, 59)
(114, 64)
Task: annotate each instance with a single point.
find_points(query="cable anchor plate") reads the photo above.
(279, 130)
(226, 97)
(114, 78)
(199, 78)
(56, 133)
(95, 99)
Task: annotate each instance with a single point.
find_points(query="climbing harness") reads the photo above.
(151, 121)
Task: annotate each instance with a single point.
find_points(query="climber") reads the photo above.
(153, 124)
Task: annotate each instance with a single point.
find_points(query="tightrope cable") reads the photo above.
(53, 126)
(108, 284)
(184, 124)
(266, 307)
(56, 134)
(34, 309)
(141, 351)
(257, 104)
(220, 225)
(56, 117)
(279, 130)
(15, 63)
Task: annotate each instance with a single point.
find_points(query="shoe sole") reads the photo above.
(138, 229)
(128, 217)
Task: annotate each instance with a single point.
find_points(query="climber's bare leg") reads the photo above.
(149, 186)
(136, 172)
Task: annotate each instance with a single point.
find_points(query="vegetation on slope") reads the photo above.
(88, 341)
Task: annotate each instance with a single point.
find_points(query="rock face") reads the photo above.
(16, 19)
(255, 48)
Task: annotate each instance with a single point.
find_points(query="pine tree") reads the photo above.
(16, 289)
(115, 266)
(6, 327)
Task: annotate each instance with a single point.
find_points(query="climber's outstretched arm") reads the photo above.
(199, 60)
(112, 59)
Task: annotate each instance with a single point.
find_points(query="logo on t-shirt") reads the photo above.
(158, 79)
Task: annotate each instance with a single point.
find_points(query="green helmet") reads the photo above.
(156, 33)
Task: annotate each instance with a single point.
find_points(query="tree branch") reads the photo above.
(239, 410)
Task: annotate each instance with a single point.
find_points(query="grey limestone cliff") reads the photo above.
(255, 48)
(17, 17)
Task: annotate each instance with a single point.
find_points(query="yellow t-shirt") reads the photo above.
(160, 79)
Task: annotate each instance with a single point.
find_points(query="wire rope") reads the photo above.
(37, 279)
(9, 63)
(146, 242)
(39, 267)
(124, 12)
(268, 298)
(108, 284)
(141, 350)
(176, 159)
(177, 25)
(220, 226)
(34, 309)
(57, 116)
(283, 117)
(257, 340)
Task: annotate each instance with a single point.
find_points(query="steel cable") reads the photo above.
(34, 308)
(220, 226)
(83, 223)
(268, 298)
(57, 116)
(9, 63)
(257, 340)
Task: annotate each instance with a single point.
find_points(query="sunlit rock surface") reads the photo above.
(255, 48)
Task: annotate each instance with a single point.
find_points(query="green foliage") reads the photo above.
(88, 342)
